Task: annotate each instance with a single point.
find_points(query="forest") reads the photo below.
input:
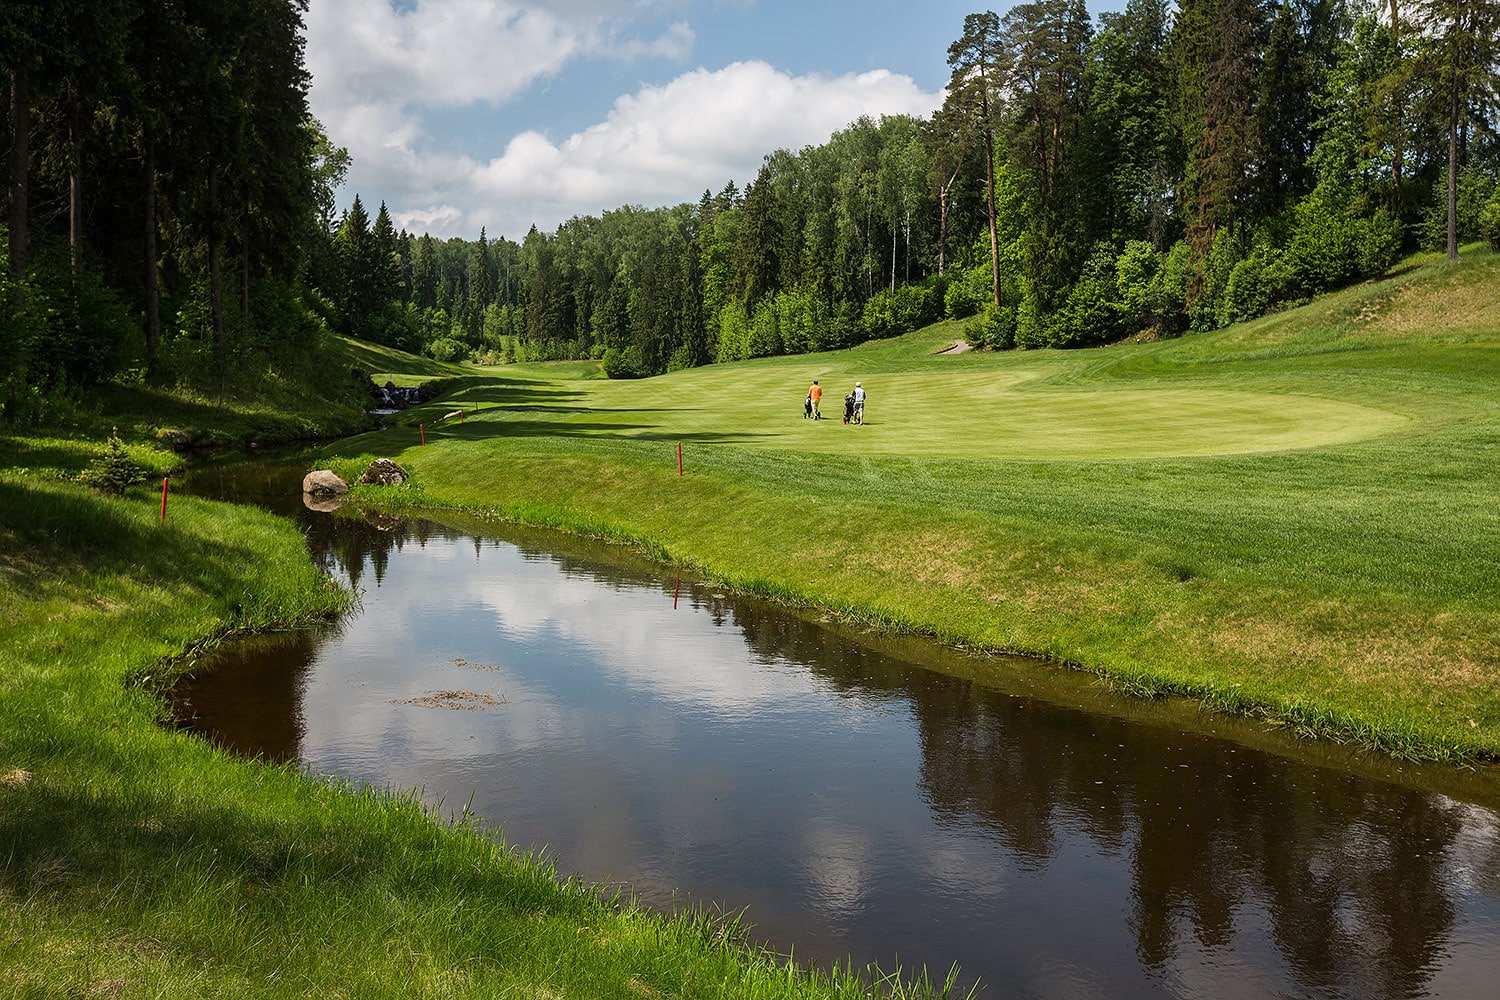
(171, 205)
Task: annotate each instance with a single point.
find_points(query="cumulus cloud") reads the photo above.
(663, 145)
(381, 75)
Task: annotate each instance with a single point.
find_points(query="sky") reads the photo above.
(503, 114)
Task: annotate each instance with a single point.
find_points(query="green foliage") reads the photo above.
(447, 350)
(891, 313)
(1091, 313)
(992, 328)
(1489, 220)
(962, 300)
(624, 362)
(1475, 190)
(114, 471)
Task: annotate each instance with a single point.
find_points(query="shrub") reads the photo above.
(1474, 193)
(624, 362)
(1136, 270)
(734, 332)
(992, 328)
(114, 471)
(765, 331)
(447, 350)
(892, 312)
(1089, 315)
(961, 301)
(1489, 220)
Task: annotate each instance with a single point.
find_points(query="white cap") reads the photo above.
(856, 385)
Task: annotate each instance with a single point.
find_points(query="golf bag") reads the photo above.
(849, 407)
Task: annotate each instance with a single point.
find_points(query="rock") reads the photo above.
(323, 483)
(175, 439)
(384, 472)
(322, 504)
(382, 522)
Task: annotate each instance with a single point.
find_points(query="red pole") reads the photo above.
(423, 429)
(679, 458)
(164, 498)
(677, 587)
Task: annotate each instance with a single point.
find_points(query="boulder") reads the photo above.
(383, 472)
(323, 483)
(322, 504)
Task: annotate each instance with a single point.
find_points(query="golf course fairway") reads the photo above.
(1293, 518)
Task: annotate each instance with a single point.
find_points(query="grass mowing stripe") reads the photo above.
(1294, 509)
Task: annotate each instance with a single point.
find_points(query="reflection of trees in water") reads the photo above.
(347, 543)
(1349, 872)
(249, 697)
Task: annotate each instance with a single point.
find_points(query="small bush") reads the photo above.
(624, 362)
(1489, 220)
(447, 350)
(114, 471)
(961, 300)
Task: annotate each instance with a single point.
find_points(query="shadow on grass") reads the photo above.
(173, 842)
(29, 453)
(67, 532)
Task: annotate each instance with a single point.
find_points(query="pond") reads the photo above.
(860, 796)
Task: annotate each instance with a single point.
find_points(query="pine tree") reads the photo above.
(977, 62)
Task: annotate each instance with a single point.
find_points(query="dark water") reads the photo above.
(880, 799)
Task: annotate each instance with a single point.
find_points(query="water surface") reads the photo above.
(881, 799)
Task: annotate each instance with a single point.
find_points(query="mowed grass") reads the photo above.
(137, 861)
(1295, 517)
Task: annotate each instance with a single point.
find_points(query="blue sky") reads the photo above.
(507, 113)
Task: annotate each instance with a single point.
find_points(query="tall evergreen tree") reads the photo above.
(978, 64)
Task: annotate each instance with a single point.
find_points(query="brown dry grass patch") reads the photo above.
(454, 701)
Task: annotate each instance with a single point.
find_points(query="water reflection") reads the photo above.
(859, 803)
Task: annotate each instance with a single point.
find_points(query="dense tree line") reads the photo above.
(170, 204)
(1174, 166)
(164, 179)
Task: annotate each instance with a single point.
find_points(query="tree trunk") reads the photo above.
(75, 180)
(244, 272)
(153, 286)
(1397, 155)
(20, 165)
(215, 284)
(895, 231)
(944, 192)
(989, 188)
(1453, 167)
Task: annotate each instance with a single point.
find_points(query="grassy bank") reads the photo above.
(1291, 518)
(138, 861)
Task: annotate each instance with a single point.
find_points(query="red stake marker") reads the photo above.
(423, 429)
(675, 589)
(164, 498)
(679, 458)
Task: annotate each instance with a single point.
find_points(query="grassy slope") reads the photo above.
(140, 862)
(1287, 517)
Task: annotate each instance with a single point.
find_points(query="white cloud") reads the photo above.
(381, 74)
(660, 145)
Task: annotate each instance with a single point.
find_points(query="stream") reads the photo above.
(860, 796)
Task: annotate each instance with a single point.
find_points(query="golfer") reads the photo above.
(816, 395)
(859, 403)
